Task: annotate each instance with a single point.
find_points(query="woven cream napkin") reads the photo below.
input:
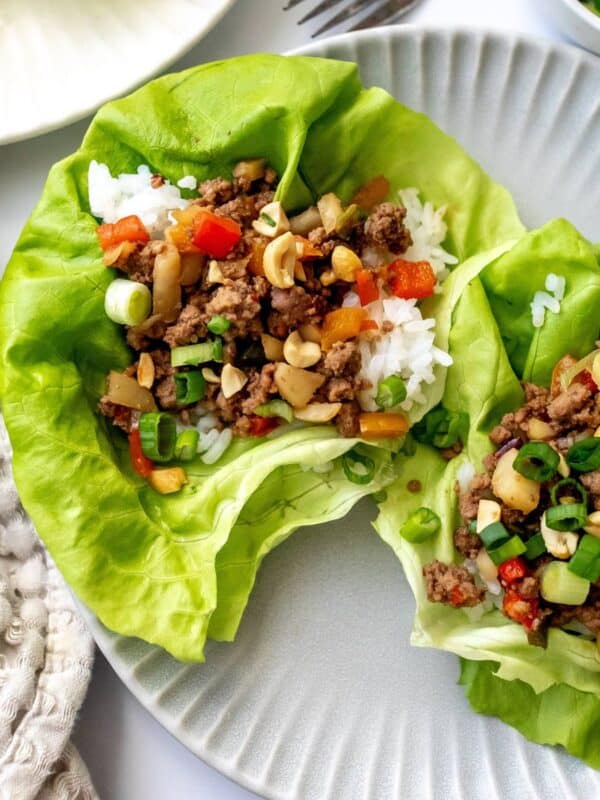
(46, 657)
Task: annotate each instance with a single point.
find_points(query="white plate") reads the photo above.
(577, 22)
(61, 59)
(321, 697)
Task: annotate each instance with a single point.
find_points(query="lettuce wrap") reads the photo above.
(174, 569)
(491, 322)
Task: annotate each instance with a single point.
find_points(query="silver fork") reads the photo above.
(385, 11)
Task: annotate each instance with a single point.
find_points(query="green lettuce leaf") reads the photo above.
(157, 567)
(560, 715)
(482, 383)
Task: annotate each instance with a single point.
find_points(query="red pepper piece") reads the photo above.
(513, 570)
(128, 229)
(585, 377)
(366, 287)
(141, 463)
(260, 426)
(369, 325)
(216, 236)
(520, 609)
(411, 279)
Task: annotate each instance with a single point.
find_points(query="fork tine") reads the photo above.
(292, 4)
(324, 5)
(353, 8)
(386, 13)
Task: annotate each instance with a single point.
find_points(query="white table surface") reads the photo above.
(130, 756)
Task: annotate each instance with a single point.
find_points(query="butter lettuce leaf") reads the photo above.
(158, 567)
(482, 383)
(560, 715)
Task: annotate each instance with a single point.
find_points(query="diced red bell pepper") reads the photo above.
(366, 287)
(260, 426)
(457, 597)
(585, 377)
(411, 279)
(369, 325)
(128, 229)
(520, 609)
(141, 463)
(214, 235)
(513, 570)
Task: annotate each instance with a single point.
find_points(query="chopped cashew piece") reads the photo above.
(487, 569)
(345, 263)
(210, 376)
(232, 380)
(511, 487)
(539, 430)
(279, 261)
(318, 412)
(304, 223)
(272, 220)
(295, 385)
(488, 511)
(299, 353)
(560, 544)
(167, 481)
(310, 333)
(328, 277)
(145, 371)
(330, 208)
(273, 347)
(215, 274)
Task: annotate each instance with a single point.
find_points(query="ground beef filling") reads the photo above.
(234, 289)
(560, 417)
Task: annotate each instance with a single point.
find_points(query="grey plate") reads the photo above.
(321, 697)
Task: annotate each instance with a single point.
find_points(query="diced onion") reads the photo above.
(127, 302)
(126, 391)
(167, 289)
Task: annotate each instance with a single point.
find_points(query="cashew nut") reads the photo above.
(273, 347)
(537, 429)
(299, 353)
(561, 544)
(317, 412)
(232, 380)
(345, 263)
(215, 274)
(145, 371)
(210, 376)
(272, 220)
(279, 261)
(488, 511)
(330, 209)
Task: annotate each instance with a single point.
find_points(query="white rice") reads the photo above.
(408, 349)
(464, 475)
(428, 230)
(549, 300)
(113, 198)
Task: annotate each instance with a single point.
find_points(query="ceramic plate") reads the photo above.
(61, 59)
(321, 697)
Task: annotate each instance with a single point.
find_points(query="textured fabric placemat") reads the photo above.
(46, 657)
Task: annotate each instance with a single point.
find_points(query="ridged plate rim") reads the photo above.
(394, 36)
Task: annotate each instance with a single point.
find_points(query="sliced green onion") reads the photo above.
(390, 392)
(514, 547)
(218, 324)
(535, 546)
(537, 461)
(494, 535)
(276, 408)
(584, 456)
(193, 354)
(186, 446)
(586, 560)
(127, 302)
(381, 496)
(268, 219)
(358, 467)
(560, 490)
(420, 526)
(158, 435)
(472, 526)
(567, 517)
(559, 584)
(189, 387)
(442, 428)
